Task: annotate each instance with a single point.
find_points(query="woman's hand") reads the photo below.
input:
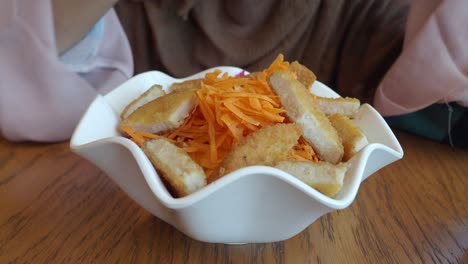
(73, 19)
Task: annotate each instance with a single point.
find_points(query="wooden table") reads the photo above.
(57, 208)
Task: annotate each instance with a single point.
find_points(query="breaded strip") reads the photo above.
(154, 92)
(351, 135)
(304, 75)
(300, 107)
(346, 106)
(190, 84)
(325, 177)
(164, 113)
(265, 146)
(176, 167)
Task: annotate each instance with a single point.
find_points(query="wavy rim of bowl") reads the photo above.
(161, 193)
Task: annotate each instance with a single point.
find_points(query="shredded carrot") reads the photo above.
(228, 109)
(138, 139)
(303, 151)
(147, 135)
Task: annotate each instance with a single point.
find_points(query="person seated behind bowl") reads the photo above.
(55, 57)
(426, 90)
(353, 46)
(407, 58)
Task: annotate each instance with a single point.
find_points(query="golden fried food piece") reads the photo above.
(325, 177)
(190, 84)
(301, 108)
(175, 166)
(304, 75)
(346, 106)
(351, 135)
(266, 146)
(154, 92)
(164, 113)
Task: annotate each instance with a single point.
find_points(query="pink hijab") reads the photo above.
(433, 67)
(40, 98)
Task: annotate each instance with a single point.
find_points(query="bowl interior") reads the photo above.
(99, 126)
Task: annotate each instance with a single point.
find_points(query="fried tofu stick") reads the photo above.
(266, 146)
(164, 113)
(351, 135)
(300, 107)
(183, 175)
(190, 84)
(327, 178)
(154, 92)
(346, 106)
(304, 75)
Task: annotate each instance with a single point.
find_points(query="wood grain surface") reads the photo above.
(58, 208)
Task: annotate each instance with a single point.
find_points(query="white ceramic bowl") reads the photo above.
(250, 205)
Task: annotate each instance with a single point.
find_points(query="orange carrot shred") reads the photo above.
(228, 109)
